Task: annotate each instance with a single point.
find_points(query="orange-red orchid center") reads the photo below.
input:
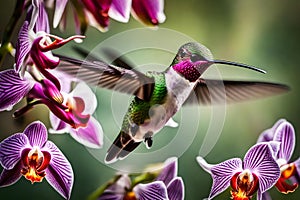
(244, 185)
(130, 196)
(287, 171)
(34, 164)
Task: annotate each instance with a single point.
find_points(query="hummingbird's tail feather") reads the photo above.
(121, 147)
(128, 148)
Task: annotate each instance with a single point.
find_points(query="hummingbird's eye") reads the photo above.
(183, 54)
(195, 57)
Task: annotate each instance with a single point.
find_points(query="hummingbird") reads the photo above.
(157, 96)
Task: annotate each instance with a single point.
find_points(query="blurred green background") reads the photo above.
(261, 33)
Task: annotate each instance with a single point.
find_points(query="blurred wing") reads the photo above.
(117, 58)
(107, 76)
(208, 91)
(110, 53)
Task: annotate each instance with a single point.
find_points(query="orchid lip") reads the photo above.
(283, 185)
(34, 163)
(130, 196)
(244, 185)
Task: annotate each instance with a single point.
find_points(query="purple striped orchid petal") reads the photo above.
(12, 89)
(59, 173)
(176, 189)
(205, 166)
(260, 161)
(36, 133)
(151, 191)
(9, 177)
(120, 10)
(169, 171)
(285, 134)
(268, 134)
(222, 174)
(59, 10)
(149, 12)
(274, 146)
(10, 150)
(83, 91)
(90, 136)
(23, 46)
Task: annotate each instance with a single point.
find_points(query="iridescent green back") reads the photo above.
(138, 110)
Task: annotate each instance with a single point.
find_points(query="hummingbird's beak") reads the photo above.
(224, 62)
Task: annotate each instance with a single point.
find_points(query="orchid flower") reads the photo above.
(166, 186)
(85, 103)
(34, 43)
(258, 172)
(31, 155)
(97, 13)
(283, 132)
(149, 12)
(68, 108)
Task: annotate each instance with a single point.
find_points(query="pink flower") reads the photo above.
(98, 13)
(71, 110)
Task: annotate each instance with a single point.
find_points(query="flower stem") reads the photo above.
(96, 194)
(143, 178)
(5, 43)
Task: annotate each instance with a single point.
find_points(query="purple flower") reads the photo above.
(34, 42)
(149, 12)
(166, 186)
(31, 155)
(69, 108)
(91, 134)
(258, 172)
(98, 13)
(283, 132)
(12, 89)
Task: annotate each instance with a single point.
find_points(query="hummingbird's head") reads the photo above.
(192, 59)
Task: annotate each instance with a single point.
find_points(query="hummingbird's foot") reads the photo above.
(148, 139)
